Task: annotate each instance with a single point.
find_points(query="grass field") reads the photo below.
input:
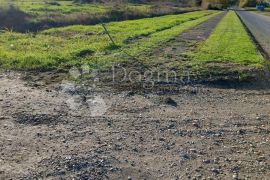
(229, 44)
(41, 8)
(65, 7)
(64, 47)
(228, 49)
(42, 14)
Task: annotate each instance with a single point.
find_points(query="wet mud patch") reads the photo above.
(37, 119)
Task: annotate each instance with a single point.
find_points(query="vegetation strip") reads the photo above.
(173, 54)
(74, 45)
(229, 43)
(260, 32)
(34, 16)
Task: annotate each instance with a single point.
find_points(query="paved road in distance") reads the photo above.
(259, 26)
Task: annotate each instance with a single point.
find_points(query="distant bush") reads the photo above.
(215, 4)
(190, 3)
(252, 3)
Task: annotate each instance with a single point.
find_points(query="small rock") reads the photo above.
(162, 139)
(193, 150)
(129, 178)
(131, 93)
(173, 164)
(185, 157)
(261, 158)
(216, 171)
(241, 132)
(199, 176)
(171, 102)
(207, 161)
(235, 176)
(68, 158)
(85, 52)
(258, 118)
(196, 125)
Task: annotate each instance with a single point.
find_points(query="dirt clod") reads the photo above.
(85, 52)
(36, 119)
(170, 101)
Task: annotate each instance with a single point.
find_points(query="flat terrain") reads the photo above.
(218, 49)
(80, 44)
(228, 51)
(80, 120)
(259, 26)
(212, 132)
(33, 16)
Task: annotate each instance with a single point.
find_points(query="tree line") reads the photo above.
(207, 4)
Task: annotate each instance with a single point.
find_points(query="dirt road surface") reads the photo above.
(200, 133)
(259, 26)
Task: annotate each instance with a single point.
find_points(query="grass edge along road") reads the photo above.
(75, 45)
(229, 48)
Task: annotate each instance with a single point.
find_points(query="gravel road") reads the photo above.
(259, 26)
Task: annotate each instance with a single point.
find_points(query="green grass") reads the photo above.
(66, 7)
(229, 43)
(40, 9)
(41, 14)
(58, 47)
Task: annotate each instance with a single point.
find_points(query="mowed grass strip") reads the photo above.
(229, 43)
(62, 47)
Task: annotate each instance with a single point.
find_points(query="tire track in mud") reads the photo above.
(169, 56)
(130, 40)
(172, 55)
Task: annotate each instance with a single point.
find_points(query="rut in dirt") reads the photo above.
(175, 49)
(170, 56)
